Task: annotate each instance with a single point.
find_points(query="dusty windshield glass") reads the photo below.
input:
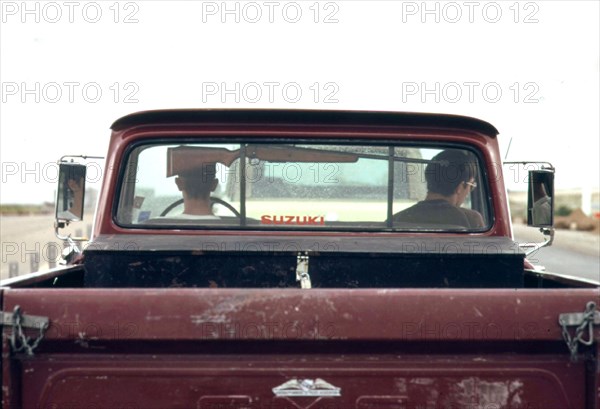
(304, 186)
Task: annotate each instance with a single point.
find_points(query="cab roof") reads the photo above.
(303, 117)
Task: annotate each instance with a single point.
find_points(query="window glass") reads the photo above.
(304, 186)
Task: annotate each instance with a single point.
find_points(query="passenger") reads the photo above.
(196, 185)
(541, 212)
(450, 178)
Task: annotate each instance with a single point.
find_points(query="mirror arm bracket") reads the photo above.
(532, 247)
(73, 249)
(61, 224)
(548, 231)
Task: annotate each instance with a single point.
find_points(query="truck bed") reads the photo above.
(323, 348)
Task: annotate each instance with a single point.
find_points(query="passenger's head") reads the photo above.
(540, 187)
(449, 170)
(199, 182)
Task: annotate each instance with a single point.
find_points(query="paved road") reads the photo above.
(22, 237)
(575, 253)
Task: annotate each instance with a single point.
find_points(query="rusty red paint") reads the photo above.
(216, 348)
(165, 343)
(120, 140)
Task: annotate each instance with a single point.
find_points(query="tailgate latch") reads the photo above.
(583, 321)
(302, 271)
(19, 341)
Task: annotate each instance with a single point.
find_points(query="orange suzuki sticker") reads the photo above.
(292, 220)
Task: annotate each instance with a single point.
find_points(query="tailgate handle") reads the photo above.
(302, 271)
(18, 321)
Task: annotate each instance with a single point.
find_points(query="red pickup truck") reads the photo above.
(300, 259)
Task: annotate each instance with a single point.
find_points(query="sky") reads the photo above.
(69, 69)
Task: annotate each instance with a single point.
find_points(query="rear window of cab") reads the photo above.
(306, 186)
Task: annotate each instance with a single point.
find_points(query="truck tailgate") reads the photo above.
(208, 348)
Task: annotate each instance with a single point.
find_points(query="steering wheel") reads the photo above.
(213, 201)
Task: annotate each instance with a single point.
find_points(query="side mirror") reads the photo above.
(540, 198)
(70, 193)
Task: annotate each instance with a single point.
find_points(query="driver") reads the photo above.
(73, 203)
(450, 179)
(196, 184)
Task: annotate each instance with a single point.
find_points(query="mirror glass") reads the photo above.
(71, 191)
(540, 198)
